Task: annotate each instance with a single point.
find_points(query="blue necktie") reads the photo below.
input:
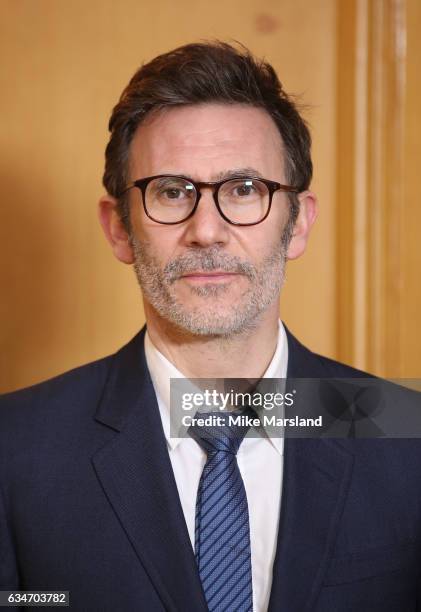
(222, 537)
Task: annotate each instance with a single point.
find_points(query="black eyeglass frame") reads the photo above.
(272, 186)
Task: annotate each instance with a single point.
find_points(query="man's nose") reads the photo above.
(206, 226)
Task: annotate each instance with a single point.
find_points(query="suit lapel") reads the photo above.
(317, 474)
(136, 474)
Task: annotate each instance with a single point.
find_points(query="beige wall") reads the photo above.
(65, 300)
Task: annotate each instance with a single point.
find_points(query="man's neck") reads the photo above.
(243, 355)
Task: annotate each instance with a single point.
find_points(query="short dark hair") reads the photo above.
(199, 73)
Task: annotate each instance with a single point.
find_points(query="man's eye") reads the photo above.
(173, 193)
(244, 190)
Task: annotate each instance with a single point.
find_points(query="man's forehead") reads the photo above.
(237, 135)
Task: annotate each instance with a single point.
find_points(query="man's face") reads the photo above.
(204, 275)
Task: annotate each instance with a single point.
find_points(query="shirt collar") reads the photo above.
(162, 370)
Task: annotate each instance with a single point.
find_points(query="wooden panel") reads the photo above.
(378, 139)
(346, 173)
(410, 227)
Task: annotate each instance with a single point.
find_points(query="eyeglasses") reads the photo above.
(172, 199)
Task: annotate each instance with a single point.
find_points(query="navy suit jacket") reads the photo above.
(89, 504)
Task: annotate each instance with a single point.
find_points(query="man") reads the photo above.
(207, 175)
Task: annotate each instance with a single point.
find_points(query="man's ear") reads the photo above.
(306, 217)
(114, 229)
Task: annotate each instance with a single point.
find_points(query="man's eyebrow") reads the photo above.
(241, 172)
(224, 174)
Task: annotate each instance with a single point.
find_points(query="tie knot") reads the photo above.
(216, 432)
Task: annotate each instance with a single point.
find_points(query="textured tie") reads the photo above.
(222, 537)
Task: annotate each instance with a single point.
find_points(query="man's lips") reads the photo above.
(214, 275)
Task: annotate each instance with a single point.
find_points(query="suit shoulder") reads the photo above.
(302, 362)
(78, 384)
(338, 369)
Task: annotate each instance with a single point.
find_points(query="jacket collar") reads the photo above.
(129, 376)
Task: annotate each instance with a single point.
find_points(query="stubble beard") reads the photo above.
(211, 317)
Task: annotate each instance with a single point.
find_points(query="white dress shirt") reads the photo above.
(260, 461)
